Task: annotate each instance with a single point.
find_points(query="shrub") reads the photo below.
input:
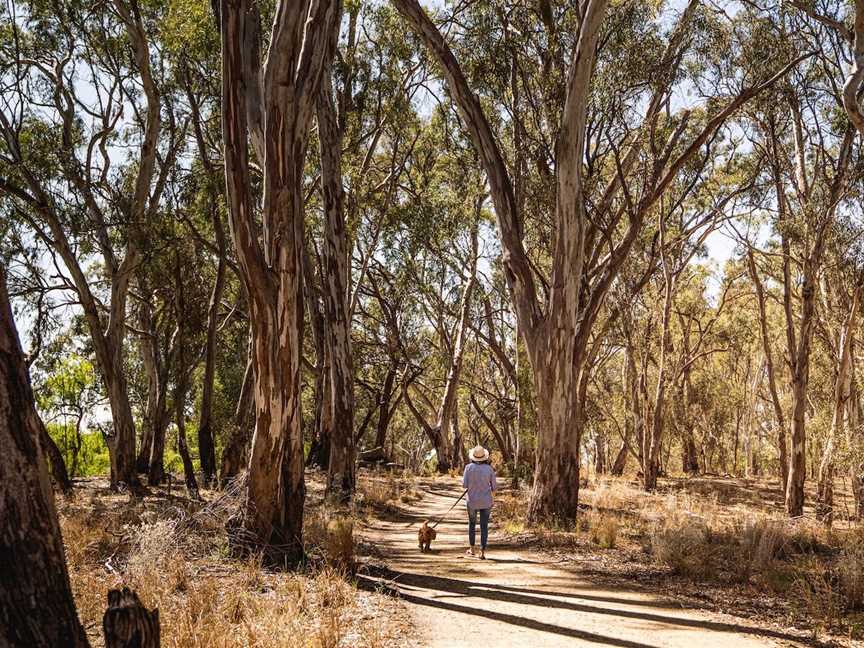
(603, 530)
(509, 512)
(816, 596)
(803, 536)
(331, 537)
(850, 576)
(760, 542)
(684, 547)
(779, 577)
(383, 495)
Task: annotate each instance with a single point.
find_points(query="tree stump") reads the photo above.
(127, 623)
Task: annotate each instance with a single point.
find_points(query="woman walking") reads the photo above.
(479, 482)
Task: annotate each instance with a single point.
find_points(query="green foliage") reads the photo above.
(85, 456)
(189, 27)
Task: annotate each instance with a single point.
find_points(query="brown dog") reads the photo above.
(425, 536)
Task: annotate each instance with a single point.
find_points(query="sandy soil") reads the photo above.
(520, 598)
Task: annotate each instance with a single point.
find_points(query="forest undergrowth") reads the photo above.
(174, 552)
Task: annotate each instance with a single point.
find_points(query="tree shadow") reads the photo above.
(371, 584)
(523, 596)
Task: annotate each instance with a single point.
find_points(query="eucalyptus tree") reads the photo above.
(77, 83)
(696, 209)
(809, 162)
(273, 104)
(443, 429)
(770, 371)
(592, 229)
(838, 315)
(336, 277)
(384, 350)
(356, 108)
(494, 365)
(844, 58)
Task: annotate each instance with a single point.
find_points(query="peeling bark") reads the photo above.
(319, 451)
(302, 43)
(55, 459)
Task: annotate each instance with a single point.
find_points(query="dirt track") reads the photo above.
(518, 598)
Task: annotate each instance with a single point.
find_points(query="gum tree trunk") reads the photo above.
(206, 444)
(842, 395)
(651, 441)
(206, 434)
(769, 368)
(683, 397)
(555, 494)
(234, 453)
(799, 349)
(151, 454)
(446, 420)
(335, 277)
(632, 419)
(437, 437)
(276, 113)
(181, 383)
(319, 451)
(55, 459)
(36, 604)
(384, 409)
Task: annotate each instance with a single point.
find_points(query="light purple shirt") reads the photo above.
(479, 480)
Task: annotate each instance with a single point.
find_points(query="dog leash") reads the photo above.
(450, 509)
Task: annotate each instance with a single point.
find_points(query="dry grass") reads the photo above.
(176, 559)
(599, 526)
(330, 536)
(715, 533)
(683, 544)
(603, 529)
(386, 494)
(816, 596)
(510, 512)
(850, 575)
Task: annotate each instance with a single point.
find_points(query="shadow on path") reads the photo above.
(374, 585)
(392, 580)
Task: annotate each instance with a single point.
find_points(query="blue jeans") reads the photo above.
(484, 526)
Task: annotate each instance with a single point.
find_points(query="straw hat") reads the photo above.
(479, 453)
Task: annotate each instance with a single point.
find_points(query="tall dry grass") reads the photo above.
(707, 536)
(177, 559)
(387, 493)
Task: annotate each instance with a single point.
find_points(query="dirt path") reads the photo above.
(517, 598)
